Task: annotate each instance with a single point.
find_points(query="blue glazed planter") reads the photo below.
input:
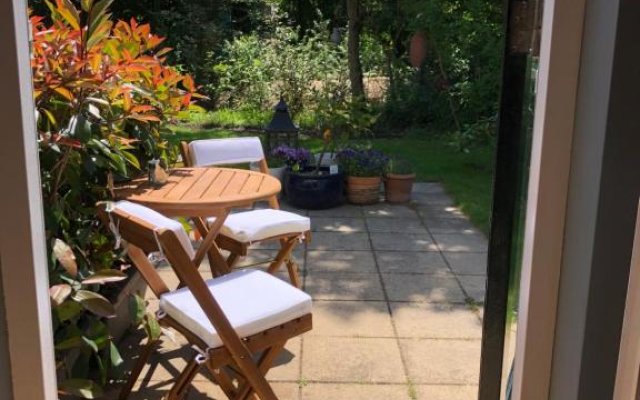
(314, 192)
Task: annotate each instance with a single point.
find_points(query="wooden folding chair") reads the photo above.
(238, 322)
(242, 229)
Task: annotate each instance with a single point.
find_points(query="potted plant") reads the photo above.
(313, 186)
(364, 169)
(398, 181)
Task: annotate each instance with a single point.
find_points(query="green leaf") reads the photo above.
(152, 327)
(105, 276)
(90, 343)
(114, 354)
(68, 310)
(84, 388)
(70, 14)
(137, 308)
(95, 303)
(59, 293)
(86, 5)
(70, 343)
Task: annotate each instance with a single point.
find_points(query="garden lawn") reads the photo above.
(467, 177)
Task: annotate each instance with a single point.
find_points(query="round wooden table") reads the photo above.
(198, 193)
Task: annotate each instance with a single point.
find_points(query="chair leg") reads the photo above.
(294, 275)
(232, 260)
(137, 369)
(225, 382)
(179, 389)
(246, 391)
(283, 255)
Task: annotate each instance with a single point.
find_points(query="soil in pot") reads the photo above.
(363, 190)
(311, 191)
(397, 188)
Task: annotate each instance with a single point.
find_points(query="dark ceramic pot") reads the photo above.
(309, 191)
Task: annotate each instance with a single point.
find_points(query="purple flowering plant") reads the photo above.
(362, 162)
(296, 158)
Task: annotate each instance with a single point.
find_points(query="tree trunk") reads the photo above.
(353, 43)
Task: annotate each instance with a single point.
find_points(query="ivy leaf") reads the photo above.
(84, 388)
(95, 303)
(59, 293)
(105, 276)
(65, 257)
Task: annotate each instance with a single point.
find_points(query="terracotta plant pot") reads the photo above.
(363, 190)
(397, 188)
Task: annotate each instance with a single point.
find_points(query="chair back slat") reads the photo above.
(210, 152)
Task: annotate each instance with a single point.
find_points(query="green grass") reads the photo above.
(225, 118)
(466, 177)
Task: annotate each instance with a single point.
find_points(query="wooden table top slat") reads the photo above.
(202, 185)
(183, 185)
(253, 184)
(200, 191)
(221, 182)
(235, 185)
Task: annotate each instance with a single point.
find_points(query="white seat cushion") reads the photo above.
(256, 225)
(252, 300)
(159, 221)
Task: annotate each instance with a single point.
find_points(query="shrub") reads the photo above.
(103, 95)
(255, 70)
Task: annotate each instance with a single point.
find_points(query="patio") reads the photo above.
(398, 294)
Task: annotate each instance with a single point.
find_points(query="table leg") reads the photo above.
(209, 246)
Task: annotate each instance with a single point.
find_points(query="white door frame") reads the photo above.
(560, 51)
(23, 261)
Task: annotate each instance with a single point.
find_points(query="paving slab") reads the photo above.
(428, 188)
(442, 361)
(449, 225)
(341, 261)
(402, 242)
(475, 286)
(422, 288)
(470, 242)
(286, 366)
(446, 392)
(399, 225)
(343, 286)
(436, 321)
(262, 257)
(463, 263)
(350, 391)
(354, 360)
(337, 224)
(437, 199)
(402, 262)
(351, 319)
(439, 211)
(347, 210)
(386, 210)
(339, 241)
